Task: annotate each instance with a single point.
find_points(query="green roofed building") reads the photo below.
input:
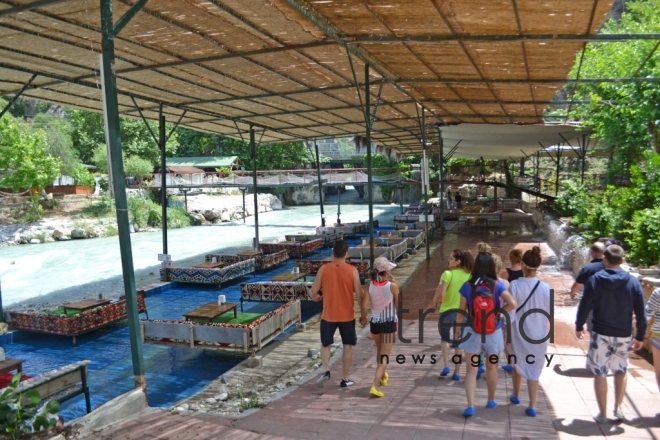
(207, 163)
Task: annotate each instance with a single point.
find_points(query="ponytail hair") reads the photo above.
(376, 275)
(532, 258)
(465, 259)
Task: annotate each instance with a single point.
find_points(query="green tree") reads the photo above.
(60, 145)
(134, 166)
(81, 176)
(89, 132)
(625, 116)
(24, 159)
(282, 156)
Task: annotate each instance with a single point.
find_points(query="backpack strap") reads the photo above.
(528, 297)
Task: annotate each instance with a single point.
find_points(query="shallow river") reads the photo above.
(31, 271)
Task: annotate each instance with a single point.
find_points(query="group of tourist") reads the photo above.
(477, 289)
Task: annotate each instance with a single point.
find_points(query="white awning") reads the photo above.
(503, 141)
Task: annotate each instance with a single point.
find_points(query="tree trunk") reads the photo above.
(509, 179)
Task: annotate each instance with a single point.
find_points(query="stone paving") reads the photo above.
(420, 405)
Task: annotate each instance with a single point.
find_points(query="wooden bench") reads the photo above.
(61, 384)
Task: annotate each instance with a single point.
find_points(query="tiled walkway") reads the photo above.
(418, 404)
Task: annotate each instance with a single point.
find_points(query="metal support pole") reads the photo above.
(318, 175)
(557, 172)
(367, 122)
(537, 184)
(17, 95)
(119, 185)
(243, 191)
(163, 166)
(441, 144)
(253, 151)
(522, 167)
(401, 196)
(338, 205)
(185, 199)
(426, 176)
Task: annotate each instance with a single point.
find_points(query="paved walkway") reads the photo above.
(419, 405)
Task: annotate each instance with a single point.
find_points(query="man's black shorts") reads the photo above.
(346, 330)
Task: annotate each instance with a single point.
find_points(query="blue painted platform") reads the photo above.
(173, 373)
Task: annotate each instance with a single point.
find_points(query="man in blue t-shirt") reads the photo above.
(590, 269)
(596, 265)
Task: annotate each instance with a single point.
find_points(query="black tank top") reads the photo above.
(514, 274)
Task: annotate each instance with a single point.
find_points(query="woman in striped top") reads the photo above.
(383, 292)
(653, 312)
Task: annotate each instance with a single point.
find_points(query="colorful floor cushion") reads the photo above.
(276, 291)
(312, 266)
(208, 276)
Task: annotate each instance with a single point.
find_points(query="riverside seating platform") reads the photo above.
(225, 336)
(295, 248)
(261, 261)
(276, 291)
(392, 250)
(74, 323)
(329, 238)
(208, 276)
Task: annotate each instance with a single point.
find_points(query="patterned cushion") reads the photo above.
(312, 266)
(298, 248)
(276, 291)
(208, 276)
(76, 324)
(262, 262)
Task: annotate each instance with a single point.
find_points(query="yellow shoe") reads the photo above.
(384, 380)
(376, 392)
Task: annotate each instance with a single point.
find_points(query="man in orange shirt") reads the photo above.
(338, 281)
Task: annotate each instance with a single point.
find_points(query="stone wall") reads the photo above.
(303, 195)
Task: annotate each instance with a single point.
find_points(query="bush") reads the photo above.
(102, 208)
(17, 418)
(111, 231)
(177, 218)
(81, 176)
(146, 212)
(572, 199)
(643, 237)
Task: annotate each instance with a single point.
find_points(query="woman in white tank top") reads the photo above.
(383, 292)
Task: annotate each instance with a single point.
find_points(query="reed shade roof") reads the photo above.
(308, 92)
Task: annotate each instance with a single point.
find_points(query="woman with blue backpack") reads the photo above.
(480, 303)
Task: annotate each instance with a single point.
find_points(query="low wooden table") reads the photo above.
(288, 276)
(85, 304)
(209, 265)
(210, 311)
(248, 253)
(9, 365)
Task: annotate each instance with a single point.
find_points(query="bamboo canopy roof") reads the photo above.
(283, 66)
